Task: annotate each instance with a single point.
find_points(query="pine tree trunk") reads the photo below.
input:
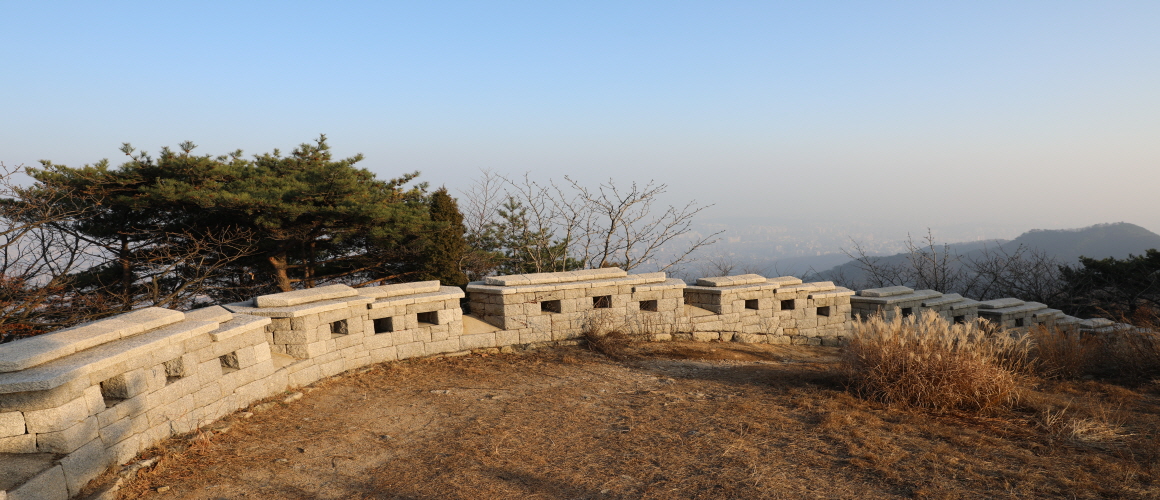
(126, 276)
(280, 274)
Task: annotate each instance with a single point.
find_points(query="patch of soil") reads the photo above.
(669, 420)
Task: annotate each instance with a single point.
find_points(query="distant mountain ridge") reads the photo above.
(1100, 241)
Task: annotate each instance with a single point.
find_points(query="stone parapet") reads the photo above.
(548, 307)
(77, 401)
(1014, 314)
(891, 301)
(752, 308)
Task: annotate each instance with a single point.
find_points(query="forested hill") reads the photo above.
(1100, 241)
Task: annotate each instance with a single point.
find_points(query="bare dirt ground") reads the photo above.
(674, 420)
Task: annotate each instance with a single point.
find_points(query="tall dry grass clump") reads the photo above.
(1129, 354)
(925, 362)
(1064, 354)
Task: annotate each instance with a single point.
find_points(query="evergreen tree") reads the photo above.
(446, 246)
(243, 226)
(1116, 287)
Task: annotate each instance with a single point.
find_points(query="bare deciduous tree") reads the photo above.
(36, 260)
(1026, 273)
(985, 274)
(927, 266)
(541, 227)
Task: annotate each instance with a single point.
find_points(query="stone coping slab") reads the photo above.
(886, 291)
(741, 279)
(633, 279)
(238, 325)
(781, 283)
(212, 313)
(949, 298)
(26, 353)
(1096, 323)
(1000, 303)
(722, 290)
(395, 290)
(1048, 313)
(307, 295)
(444, 293)
(561, 277)
(784, 281)
(837, 292)
(248, 307)
(669, 284)
(817, 286)
(965, 304)
(1023, 307)
(920, 295)
(60, 371)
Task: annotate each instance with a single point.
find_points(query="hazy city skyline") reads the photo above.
(971, 118)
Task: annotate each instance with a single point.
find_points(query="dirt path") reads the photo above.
(674, 421)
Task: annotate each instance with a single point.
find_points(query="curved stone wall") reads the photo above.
(76, 401)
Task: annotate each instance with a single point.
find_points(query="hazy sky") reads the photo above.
(904, 114)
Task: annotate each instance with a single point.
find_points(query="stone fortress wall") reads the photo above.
(77, 401)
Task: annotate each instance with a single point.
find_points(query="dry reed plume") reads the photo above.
(925, 362)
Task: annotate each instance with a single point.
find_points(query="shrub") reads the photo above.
(925, 362)
(1131, 354)
(1064, 354)
(604, 334)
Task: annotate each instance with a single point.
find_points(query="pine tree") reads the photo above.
(446, 244)
(269, 223)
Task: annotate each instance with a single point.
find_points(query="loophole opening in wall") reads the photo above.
(338, 328)
(648, 305)
(550, 306)
(174, 370)
(824, 311)
(960, 320)
(1018, 322)
(787, 305)
(229, 363)
(602, 302)
(429, 318)
(114, 390)
(907, 311)
(751, 304)
(384, 325)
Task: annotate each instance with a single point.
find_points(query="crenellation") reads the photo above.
(1010, 313)
(99, 393)
(114, 387)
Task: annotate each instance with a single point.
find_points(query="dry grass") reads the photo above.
(674, 420)
(1127, 356)
(1100, 429)
(924, 362)
(1064, 354)
(610, 335)
(1132, 356)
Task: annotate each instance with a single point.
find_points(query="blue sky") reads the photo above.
(899, 115)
